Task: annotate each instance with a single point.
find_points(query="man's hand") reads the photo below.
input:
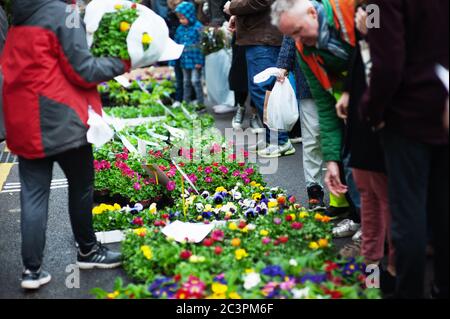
(342, 106)
(226, 8)
(361, 21)
(232, 24)
(282, 73)
(333, 180)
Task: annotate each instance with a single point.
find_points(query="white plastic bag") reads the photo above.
(99, 132)
(162, 47)
(217, 69)
(281, 112)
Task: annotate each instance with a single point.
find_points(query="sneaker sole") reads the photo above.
(287, 153)
(258, 130)
(236, 127)
(87, 266)
(35, 284)
(344, 235)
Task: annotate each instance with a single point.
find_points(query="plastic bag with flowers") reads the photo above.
(129, 31)
(214, 39)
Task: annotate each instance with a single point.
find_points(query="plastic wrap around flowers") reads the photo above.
(129, 31)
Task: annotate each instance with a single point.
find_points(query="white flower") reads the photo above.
(236, 195)
(251, 227)
(138, 207)
(199, 207)
(251, 281)
(301, 293)
(293, 263)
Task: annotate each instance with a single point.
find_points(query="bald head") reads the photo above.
(297, 19)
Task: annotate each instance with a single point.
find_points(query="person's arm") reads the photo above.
(387, 49)
(245, 7)
(78, 63)
(286, 57)
(330, 124)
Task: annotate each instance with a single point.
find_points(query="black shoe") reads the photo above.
(99, 257)
(387, 284)
(338, 212)
(35, 279)
(315, 198)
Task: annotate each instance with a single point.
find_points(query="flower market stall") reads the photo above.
(259, 242)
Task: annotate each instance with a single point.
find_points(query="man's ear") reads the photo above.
(312, 12)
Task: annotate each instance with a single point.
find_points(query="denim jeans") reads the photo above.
(193, 78)
(259, 58)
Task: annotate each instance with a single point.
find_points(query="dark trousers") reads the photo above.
(418, 185)
(35, 180)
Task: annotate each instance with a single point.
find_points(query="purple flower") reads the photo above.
(220, 279)
(209, 179)
(277, 221)
(208, 170)
(218, 198)
(236, 173)
(273, 271)
(171, 186)
(137, 186)
(250, 213)
(314, 278)
(223, 169)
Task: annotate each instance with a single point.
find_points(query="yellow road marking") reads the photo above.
(5, 169)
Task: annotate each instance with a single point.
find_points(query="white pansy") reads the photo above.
(293, 263)
(301, 293)
(199, 207)
(251, 227)
(251, 281)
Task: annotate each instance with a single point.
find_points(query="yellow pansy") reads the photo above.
(117, 207)
(264, 233)
(249, 271)
(140, 231)
(208, 208)
(245, 230)
(232, 226)
(272, 204)
(146, 39)
(241, 254)
(221, 190)
(113, 295)
(257, 196)
(303, 215)
(153, 209)
(293, 216)
(97, 210)
(314, 246)
(199, 217)
(147, 252)
(218, 288)
(234, 295)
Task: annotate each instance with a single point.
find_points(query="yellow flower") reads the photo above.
(314, 246)
(261, 188)
(293, 217)
(272, 204)
(318, 217)
(153, 209)
(249, 271)
(241, 254)
(97, 210)
(219, 206)
(219, 289)
(208, 208)
(118, 6)
(245, 230)
(323, 243)
(146, 39)
(147, 252)
(232, 226)
(253, 184)
(124, 26)
(303, 215)
(257, 196)
(234, 295)
(199, 217)
(264, 233)
(140, 231)
(221, 189)
(113, 295)
(236, 242)
(228, 214)
(117, 207)
(217, 296)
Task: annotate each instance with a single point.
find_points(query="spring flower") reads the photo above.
(318, 217)
(264, 233)
(218, 235)
(236, 173)
(257, 196)
(147, 252)
(153, 208)
(313, 245)
(223, 169)
(234, 295)
(232, 226)
(326, 219)
(137, 186)
(251, 280)
(283, 239)
(277, 221)
(218, 288)
(323, 243)
(297, 226)
(221, 190)
(209, 179)
(185, 255)
(124, 26)
(197, 259)
(273, 271)
(138, 221)
(141, 232)
(218, 250)
(288, 284)
(270, 290)
(146, 39)
(272, 203)
(171, 186)
(208, 242)
(266, 240)
(303, 215)
(314, 278)
(118, 6)
(293, 263)
(236, 242)
(301, 293)
(113, 295)
(241, 254)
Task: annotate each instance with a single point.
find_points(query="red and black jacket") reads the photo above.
(50, 79)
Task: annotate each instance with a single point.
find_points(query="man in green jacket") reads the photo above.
(324, 33)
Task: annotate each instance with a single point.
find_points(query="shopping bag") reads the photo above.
(217, 69)
(281, 112)
(99, 132)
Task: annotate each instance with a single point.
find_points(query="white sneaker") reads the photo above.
(222, 109)
(256, 126)
(258, 146)
(357, 237)
(177, 104)
(273, 151)
(346, 228)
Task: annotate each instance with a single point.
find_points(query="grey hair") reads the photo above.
(281, 6)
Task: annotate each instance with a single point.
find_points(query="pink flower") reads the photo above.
(277, 221)
(223, 169)
(232, 157)
(297, 226)
(288, 284)
(218, 235)
(249, 171)
(236, 173)
(208, 170)
(216, 148)
(171, 186)
(193, 178)
(209, 180)
(266, 240)
(138, 221)
(247, 181)
(137, 186)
